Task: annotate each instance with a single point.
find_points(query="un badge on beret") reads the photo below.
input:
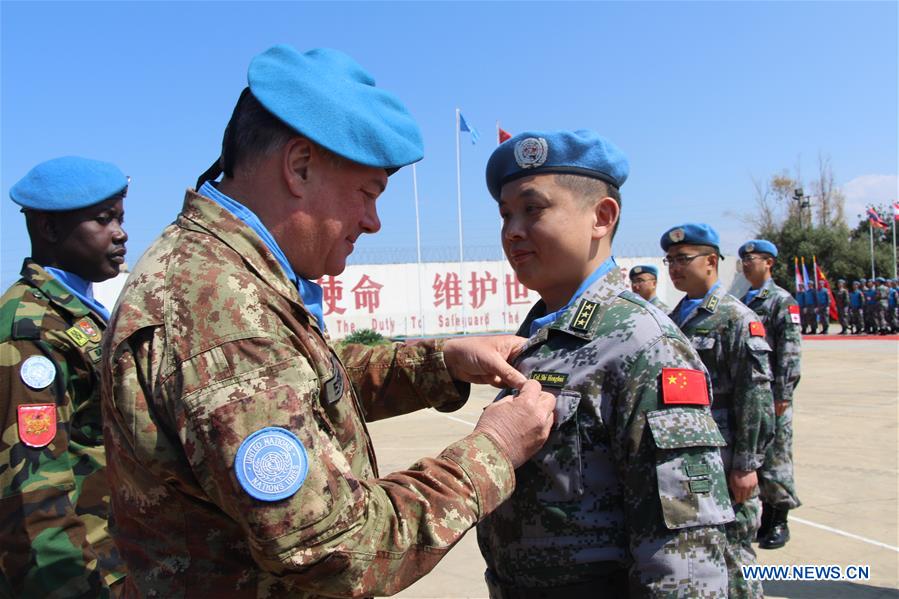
(531, 152)
(638, 270)
(37, 372)
(271, 464)
(749, 247)
(676, 235)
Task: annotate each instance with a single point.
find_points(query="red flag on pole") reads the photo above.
(895, 210)
(796, 272)
(819, 274)
(875, 220)
(501, 134)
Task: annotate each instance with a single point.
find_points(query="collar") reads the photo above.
(80, 288)
(688, 307)
(38, 277)
(310, 292)
(548, 319)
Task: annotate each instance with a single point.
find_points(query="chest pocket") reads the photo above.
(338, 405)
(559, 462)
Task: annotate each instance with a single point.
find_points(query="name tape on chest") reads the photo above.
(684, 386)
(37, 424)
(756, 329)
(271, 464)
(77, 335)
(550, 379)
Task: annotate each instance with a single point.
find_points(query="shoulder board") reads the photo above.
(764, 293)
(711, 304)
(583, 317)
(24, 315)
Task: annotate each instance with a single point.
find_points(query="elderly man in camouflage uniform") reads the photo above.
(628, 495)
(238, 452)
(644, 278)
(54, 496)
(731, 342)
(779, 313)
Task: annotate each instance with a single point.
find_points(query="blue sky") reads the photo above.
(701, 96)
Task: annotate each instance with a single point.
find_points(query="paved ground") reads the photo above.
(846, 469)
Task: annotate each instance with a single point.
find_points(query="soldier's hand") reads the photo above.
(520, 423)
(742, 483)
(780, 407)
(484, 360)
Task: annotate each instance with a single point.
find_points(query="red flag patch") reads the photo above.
(794, 315)
(37, 424)
(684, 386)
(756, 329)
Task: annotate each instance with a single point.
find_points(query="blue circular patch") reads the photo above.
(271, 464)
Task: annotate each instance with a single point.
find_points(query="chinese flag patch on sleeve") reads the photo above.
(794, 315)
(684, 386)
(756, 329)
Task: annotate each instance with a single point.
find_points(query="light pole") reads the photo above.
(802, 201)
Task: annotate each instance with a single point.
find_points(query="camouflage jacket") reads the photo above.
(655, 301)
(209, 344)
(782, 331)
(629, 478)
(54, 497)
(735, 353)
(883, 295)
(842, 299)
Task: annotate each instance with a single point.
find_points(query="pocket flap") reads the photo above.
(758, 344)
(567, 403)
(673, 428)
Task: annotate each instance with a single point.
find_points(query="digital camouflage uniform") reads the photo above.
(209, 344)
(743, 408)
(54, 498)
(882, 310)
(629, 490)
(655, 301)
(842, 299)
(772, 304)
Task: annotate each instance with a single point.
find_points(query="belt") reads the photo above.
(611, 584)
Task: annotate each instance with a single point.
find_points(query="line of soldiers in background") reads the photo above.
(870, 307)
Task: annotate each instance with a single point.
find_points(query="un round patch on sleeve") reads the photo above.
(271, 464)
(37, 372)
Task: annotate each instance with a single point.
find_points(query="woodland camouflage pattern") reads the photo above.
(54, 499)
(772, 305)
(211, 343)
(625, 483)
(743, 407)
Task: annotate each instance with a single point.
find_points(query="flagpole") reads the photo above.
(895, 274)
(421, 316)
(871, 237)
(459, 208)
(497, 132)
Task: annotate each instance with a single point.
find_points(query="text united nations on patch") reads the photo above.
(271, 464)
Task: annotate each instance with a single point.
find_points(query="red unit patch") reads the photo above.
(756, 329)
(684, 386)
(37, 424)
(795, 318)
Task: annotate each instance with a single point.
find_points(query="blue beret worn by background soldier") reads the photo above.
(779, 312)
(54, 496)
(731, 342)
(644, 278)
(238, 452)
(628, 495)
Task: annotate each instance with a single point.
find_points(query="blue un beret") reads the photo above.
(878, 280)
(68, 183)
(582, 152)
(692, 233)
(758, 246)
(863, 280)
(329, 98)
(643, 268)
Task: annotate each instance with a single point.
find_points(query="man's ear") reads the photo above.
(606, 213)
(296, 161)
(46, 227)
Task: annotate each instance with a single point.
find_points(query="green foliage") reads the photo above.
(366, 337)
(842, 253)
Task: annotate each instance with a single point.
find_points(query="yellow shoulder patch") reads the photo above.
(78, 336)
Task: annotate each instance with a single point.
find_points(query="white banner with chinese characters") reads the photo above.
(439, 298)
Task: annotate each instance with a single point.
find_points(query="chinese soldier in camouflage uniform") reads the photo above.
(856, 308)
(779, 313)
(628, 495)
(54, 496)
(882, 307)
(731, 342)
(238, 454)
(842, 299)
(644, 279)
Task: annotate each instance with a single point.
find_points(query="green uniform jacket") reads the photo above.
(737, 360)
(54, 497)
(631, 478)
(782, 331)
(210, 343)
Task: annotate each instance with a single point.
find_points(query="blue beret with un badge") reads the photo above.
(758, 246)
(643, 268)
(68, 183)
(582, 152)
(691, 233)
(329, 98)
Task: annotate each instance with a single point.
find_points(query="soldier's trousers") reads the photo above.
(869, 318)
(740, 535)
(855, 319)
(844, 318)
(880, 321)
(777, 487)
(823, 313)
(808, 319)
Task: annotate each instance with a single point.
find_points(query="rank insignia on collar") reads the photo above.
(711, 304)
(585, 313)
(550, 379)
(37, 424)
(763, 293)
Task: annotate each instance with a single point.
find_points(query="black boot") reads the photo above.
(765, 528)
(780, 532)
